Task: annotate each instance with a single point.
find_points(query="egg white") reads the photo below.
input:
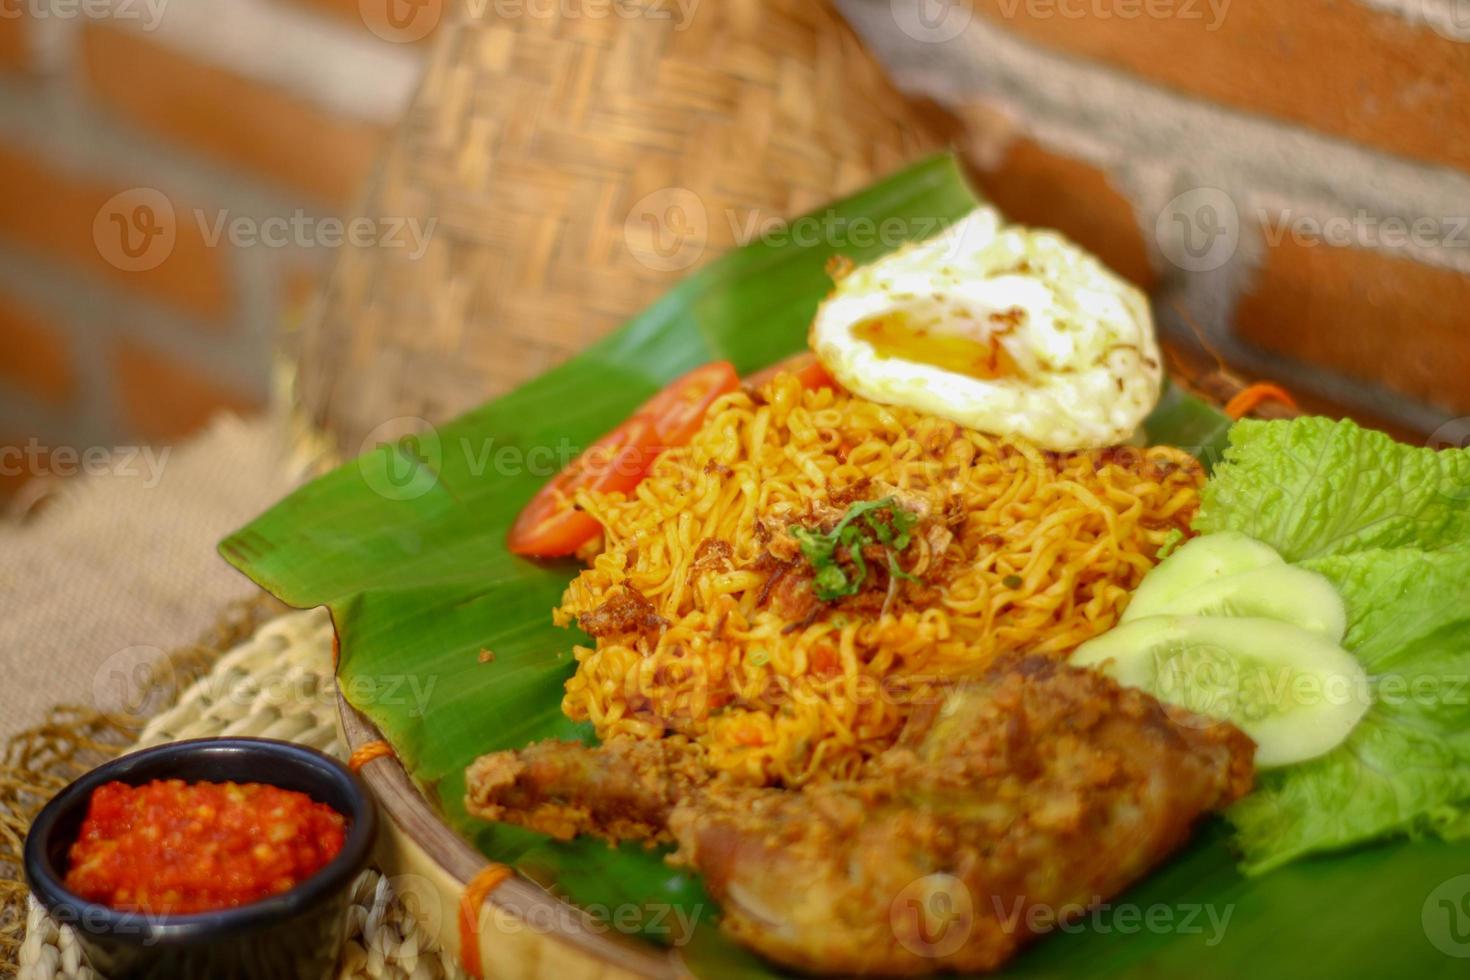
(1081, 338)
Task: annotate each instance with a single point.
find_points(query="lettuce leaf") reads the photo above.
(1313, 487)
(1406, 767)
(1389, 526)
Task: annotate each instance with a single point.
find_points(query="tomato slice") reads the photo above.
(805, 366)
(678, 411)
(550, 525)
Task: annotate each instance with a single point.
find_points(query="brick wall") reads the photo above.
(1290, 178)
(169, 174)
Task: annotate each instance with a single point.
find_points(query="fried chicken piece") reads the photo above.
(621, 790)
(1022, 797)
(1036, 792)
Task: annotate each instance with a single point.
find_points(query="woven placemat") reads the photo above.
(276, 684)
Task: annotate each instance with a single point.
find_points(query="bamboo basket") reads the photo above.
(574, 169)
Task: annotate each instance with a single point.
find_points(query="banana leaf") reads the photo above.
(406, 547)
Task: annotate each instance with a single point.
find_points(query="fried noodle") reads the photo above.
(701, 602)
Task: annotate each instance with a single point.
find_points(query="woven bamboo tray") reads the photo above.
(279, 684)
(508, 923)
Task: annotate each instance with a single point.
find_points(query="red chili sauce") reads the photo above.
(173, 847)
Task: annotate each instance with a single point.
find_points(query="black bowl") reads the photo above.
(295, 934)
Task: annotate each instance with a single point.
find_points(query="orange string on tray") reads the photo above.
(367, 752)
(475, 893)
(1262, 391)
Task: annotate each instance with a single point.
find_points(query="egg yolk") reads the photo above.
(893, 335)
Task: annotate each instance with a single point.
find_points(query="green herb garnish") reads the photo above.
(897, 572)
(1172, 540)
(867, 522)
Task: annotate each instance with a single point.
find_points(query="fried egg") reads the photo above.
(1009, 330)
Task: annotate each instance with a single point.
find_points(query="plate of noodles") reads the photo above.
(888, 610)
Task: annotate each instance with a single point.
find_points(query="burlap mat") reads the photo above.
(275, 684)
(118, 566)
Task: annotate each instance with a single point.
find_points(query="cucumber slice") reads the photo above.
(1293, 691)
(1198, 562)
(1292, 595)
